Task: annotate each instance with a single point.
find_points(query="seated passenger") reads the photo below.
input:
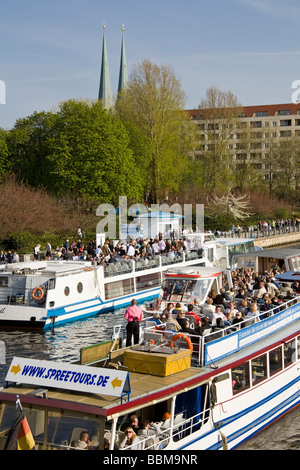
(169, 319)
(218, 314)
(208, 308)
(185, 327)
(231, 311)
(131, 440)
(253, 311)
(147, 433)
(205, 327)
(191, 312)
(238, 318)
(83, 442)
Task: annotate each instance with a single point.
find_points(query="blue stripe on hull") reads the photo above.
(260, 423)
(103, 307)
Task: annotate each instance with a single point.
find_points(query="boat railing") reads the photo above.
(15, 295)
(151, 262)
(172, 430)
(165, 333)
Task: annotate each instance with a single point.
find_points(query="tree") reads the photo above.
(237, 206)
(221, 111)
(154, 102)
(80, 150)
(3, 153)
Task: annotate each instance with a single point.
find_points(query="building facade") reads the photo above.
(255, 136)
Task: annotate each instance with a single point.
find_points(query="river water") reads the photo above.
(64, 344)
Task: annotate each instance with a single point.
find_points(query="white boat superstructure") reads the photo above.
(41, 294)
(216, 395)
(44, 294)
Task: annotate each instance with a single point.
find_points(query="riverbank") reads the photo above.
(278, 240)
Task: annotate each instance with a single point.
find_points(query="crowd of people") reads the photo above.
(111, 251)
(252, 297)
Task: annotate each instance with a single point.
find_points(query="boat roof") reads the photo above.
(50, 267)
(199, 271)
(289, 276)
(279, 253)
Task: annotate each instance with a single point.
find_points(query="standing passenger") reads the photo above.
(134, 316)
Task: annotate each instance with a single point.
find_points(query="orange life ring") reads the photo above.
(34, 292)
(185, 337)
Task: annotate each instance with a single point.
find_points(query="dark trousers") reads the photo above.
(132, 329)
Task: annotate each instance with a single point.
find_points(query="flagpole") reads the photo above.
(18, 404)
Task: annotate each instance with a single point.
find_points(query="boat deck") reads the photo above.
(144, 387)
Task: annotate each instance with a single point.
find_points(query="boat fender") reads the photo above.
(224, 441)
(38, 293)
(182, 336)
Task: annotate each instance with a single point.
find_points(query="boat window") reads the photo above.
(289, 350)
(79, 287)
(298, 342)
(3, 281)
(119, 288)
(275, 360)
(259, 369)
(67, 290)
(183, 290)
(249, 247)
(51, 283)
(65, 430)
(240, 378)
(150, 280)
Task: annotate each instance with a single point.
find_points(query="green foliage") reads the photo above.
(79, 150)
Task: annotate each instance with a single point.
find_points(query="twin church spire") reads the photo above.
(105, 93)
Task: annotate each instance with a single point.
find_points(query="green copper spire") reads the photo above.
(123, 76)
(105, 88)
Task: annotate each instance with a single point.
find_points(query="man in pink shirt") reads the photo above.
(134, 316)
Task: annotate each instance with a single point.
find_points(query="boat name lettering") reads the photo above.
(65, 375)
(69, 376)
(2, 310)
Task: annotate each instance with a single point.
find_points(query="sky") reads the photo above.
(51, 50)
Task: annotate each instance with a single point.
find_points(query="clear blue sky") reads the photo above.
(51, 50)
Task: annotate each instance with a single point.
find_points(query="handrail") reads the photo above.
(180, 429)
(199, 341)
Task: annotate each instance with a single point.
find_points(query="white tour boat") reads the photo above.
(218, 390)
(41, 294)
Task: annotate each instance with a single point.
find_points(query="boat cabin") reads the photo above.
(190, 285)
(265, 260)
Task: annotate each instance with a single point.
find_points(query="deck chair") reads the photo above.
(76, 435)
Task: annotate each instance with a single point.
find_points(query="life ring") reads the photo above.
(40, 296)
(186, 338)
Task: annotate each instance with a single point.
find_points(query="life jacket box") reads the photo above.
(156, 363)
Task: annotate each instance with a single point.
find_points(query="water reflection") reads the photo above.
(61, 344)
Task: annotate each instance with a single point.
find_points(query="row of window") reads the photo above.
(264, 366)
(126, 286)
(79, 289)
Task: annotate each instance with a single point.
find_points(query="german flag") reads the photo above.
(20, 436)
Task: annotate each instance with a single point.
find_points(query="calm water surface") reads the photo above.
(64, 344)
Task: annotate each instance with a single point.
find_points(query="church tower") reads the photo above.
(123, 75)
(105, 94)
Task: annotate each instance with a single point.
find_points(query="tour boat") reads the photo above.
(218, 389)
(44, 294)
